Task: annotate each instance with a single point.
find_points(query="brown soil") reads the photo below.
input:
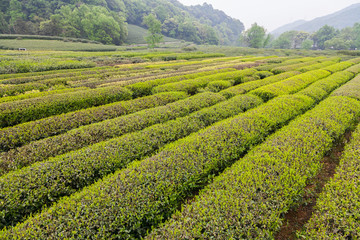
(296, 218)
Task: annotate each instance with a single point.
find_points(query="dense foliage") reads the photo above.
(326, 37)
(105, 20)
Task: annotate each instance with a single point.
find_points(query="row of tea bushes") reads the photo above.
(145, 88)
(36, 94)
(290, 85)
(31, 65)
(248, 86)
(293, 67)
(337, 214)
(192, 86)
(338, 67)
(320, 89)
(44, 183)
(90, 134)
(12, 113)
(316, 66)
(249, 200)
(354, 69)
(12, 137)
(128, 203)
(351, 89)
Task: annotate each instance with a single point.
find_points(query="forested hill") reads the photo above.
(105, 20)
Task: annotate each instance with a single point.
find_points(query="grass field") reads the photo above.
(179, 145)
(54, 45)
(136, 36)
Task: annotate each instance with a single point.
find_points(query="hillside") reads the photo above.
(346, 17)
(106, 20)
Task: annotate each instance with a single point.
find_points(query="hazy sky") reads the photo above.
(274, 13)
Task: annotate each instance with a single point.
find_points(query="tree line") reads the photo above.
(106, 20)
(327, 37)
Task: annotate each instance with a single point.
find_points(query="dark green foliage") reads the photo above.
(154, 27)
(32, 109)
(249, 200)
(101, 131)
(254, 37)
(148, 191)
(104, 21)
(65, 174)
(21, 134)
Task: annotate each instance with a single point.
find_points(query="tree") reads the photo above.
(323, 34)
(307, 44)
(154, 28)
(254, 37)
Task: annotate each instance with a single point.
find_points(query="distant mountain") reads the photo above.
(346, 17)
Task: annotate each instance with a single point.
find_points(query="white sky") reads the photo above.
(274, 13)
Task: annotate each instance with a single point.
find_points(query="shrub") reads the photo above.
(21, 134)
(101, 131)
(351, 89)
(337, 207)
(192, 86)
(148, 191)
(246, 87)
(338, 67)
(32, 109)
(145, 88)
(290, 85)
(70, 172)
(323, 87)
(249, 200)
(217, 86)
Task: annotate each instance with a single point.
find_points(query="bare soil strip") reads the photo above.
(297, 217)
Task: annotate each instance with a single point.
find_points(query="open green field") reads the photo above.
(169, 144)
(55, 45)
(136, 35)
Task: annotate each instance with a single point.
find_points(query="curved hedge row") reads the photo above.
(12, 137)
(64, 175)
(337, 214)
(128, 203)
(246, 87)
(32, 109)
(290, 85)
(191, 86)
(292, 67)
(351, 89)
(40, 94)
(338, 67)
(354, 69)
(101, 131)
(217, 86)
(316, 66)
(145, 88)
(12, 90)
(323, 87)
(250, 198)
